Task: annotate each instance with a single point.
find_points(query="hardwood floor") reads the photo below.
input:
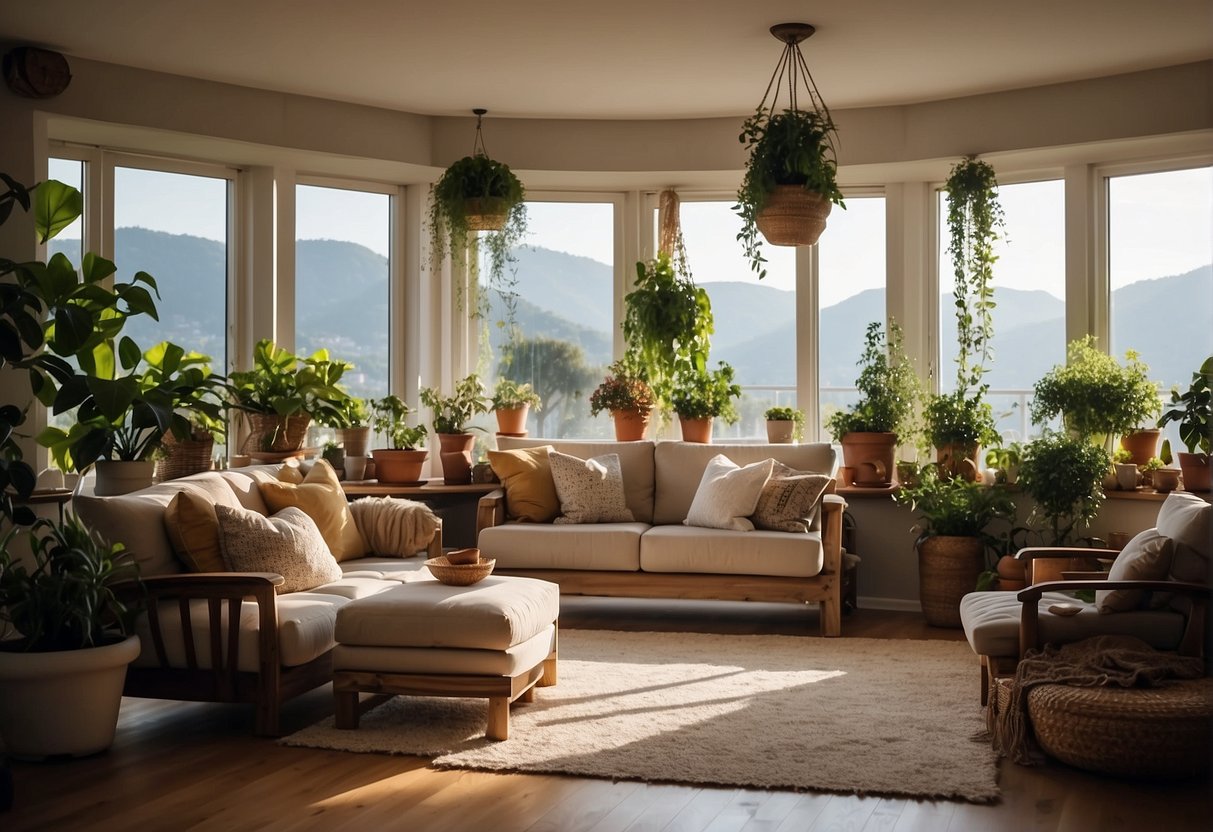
(184, 766)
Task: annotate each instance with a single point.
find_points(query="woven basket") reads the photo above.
(183, 457)
(487, 214)
(267, 434)
(947, 570)
(793, 216)
(460, 574)
(1127, 732)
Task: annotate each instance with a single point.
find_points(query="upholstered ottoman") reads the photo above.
(494, 639)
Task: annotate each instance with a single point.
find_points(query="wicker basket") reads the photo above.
(948, 568)
(487, 214)
(460, 574)
(183, 457)
(266, 432)
(793, 216)
(1127, 732)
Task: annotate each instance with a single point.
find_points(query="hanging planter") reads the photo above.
(793, 216)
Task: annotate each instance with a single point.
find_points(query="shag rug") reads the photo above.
(851, 715)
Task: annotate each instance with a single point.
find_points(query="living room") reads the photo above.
(598, 114)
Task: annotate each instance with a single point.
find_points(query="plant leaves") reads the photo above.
(56, 206)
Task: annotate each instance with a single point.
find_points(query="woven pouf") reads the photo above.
(1127, 732)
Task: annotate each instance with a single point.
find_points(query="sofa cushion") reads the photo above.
(590, 490)
(321, 498)
(288, 543)
(635, 463)
(607, 546)
(722, 552)
(789, 500)
(1188, 521)
(509, 662)
(193, 529)
(246, 482)
(1147, 557)
(678, 467)
(530, 493)
(728, 494)
(400, 570)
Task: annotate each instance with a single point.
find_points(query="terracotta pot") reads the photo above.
(1012, 570)
(696, 430)
(948, 568)
(1196, 471)
(1142, 445)
(780, 432)
(399, 466)
(1165, 479)
(355, 440)
(121, 477)
(456, 456)
(512, 421)
(630, 425)
(871, 457)
(793, 216)
(959, 459)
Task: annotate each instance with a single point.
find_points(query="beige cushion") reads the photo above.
(721, 552)
(246, 482)
(590, 490)
(727, 494)
(193, 529)
(386, 568)
(635, 463)
(1147, 557)
(678, 467)
(355, 585)
(288, 543)
(494, 614)
(320, 496)
(1188, 521)
(513, 661)
(609, 546)
(530, 494)
(789, 500)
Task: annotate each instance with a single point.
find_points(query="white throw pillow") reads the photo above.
(590, 490)
(288, 543)
(1187, 520)
(728, 495)
(1147, 557)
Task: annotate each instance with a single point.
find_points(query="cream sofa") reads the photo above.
(657, 556)
(270, 647)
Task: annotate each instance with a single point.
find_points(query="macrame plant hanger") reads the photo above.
(669, 231)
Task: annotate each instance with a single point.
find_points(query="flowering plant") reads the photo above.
(621, 390)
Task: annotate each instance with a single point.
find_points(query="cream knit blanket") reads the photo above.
(394, 527)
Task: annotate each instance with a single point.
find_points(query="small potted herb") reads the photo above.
(512, 401)
(402, 461)
(784, 425)
(701, 396)
(451, 415)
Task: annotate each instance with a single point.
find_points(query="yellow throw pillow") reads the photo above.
(321, 498)
(530, 493)
(193, 529)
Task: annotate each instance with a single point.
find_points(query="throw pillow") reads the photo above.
(727, 494)
(288, 543)
(193, 529)
(395, 527)
(789, 499)
(1147, 557)
(321, 498)
(590, 490)
(530, 494)
(1187, 520)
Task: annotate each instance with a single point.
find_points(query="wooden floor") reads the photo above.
(183, 766)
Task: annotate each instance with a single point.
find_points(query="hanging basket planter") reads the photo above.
(793, 216)
(486, 213)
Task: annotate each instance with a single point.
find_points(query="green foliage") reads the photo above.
(67, 600)
(1151, 464)
(556, 369)
(793, 147)
(1005, 459)
(622, 389)
(389, 418)
(1193, 411)
(954, 506)
(1064, 475)
(510, 394)
(787, 414)
(887, 386)
(699, 394)
(451, 413)
(287, 385)
(1095, 396)
(351, 413)
(960, 419)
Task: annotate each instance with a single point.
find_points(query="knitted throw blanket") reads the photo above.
(1121, 661)
(394, 527)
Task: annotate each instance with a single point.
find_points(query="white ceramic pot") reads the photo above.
(63, 703)
(121, 477)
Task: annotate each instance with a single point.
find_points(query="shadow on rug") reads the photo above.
(864, 716)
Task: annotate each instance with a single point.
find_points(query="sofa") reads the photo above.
(656, 555)
(229, 636)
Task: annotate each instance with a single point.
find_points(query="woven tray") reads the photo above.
(460, 574)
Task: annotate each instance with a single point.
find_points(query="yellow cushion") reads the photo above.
(530, 493)
(193, 529)
(320, 497)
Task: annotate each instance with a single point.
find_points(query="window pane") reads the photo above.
(852, 269)
(1159, 253)
(563, 318)
(1029, 293)
(341, 281)
(69, 241)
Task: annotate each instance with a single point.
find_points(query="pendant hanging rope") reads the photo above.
(478, 148)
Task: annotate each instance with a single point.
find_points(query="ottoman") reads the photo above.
(495, 639)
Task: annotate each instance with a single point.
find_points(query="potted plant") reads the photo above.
(1064, 475)
(953, 516)
(790, 182)
(512, 402)
(401, 463)
(193, 454)
(627, 397)
(701, 396)
(1193, 412)
(352, 421)
(957, 426)
(784, 425)
(882, 418)
(451, 414)
(1005, 461)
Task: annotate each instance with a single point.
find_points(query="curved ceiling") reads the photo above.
(633, 59)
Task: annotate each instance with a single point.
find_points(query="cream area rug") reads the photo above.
(851, 715)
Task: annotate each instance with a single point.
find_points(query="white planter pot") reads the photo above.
(62, 703)
(120, 477)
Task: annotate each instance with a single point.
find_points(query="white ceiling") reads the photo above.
(617, 58)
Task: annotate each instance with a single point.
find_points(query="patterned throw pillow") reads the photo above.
(530, 494)
(727, 494)
(288, 543)
(789, 500)
(1147, 557)
(590, 490)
